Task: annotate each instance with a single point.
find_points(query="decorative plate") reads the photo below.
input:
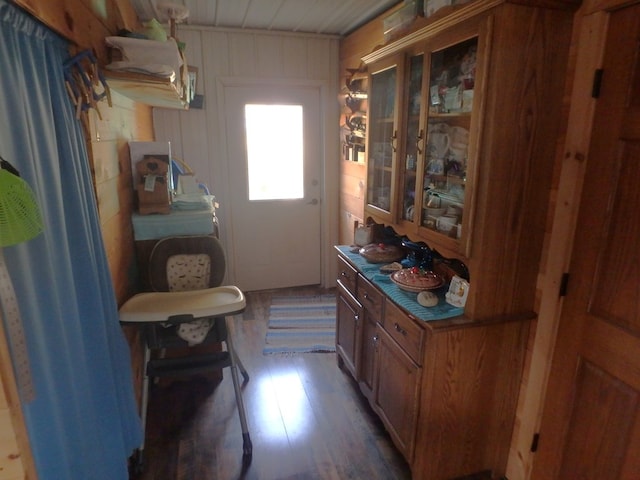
(416, 280)
(381, 253)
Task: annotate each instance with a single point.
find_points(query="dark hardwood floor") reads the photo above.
(306, 418)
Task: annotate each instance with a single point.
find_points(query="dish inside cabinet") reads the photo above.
(451, 92)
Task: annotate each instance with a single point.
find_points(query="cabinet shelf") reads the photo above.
(383, 120)
(148, 71)
(147, 89)
(450, 114)
(383, 168)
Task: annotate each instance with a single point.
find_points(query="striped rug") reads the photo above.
(301, 324)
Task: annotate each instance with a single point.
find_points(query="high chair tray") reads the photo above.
(160, 306)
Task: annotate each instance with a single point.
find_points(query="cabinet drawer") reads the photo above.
(347, 275)
(404, 331)
(370, 297)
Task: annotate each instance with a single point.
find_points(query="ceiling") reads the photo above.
(332, 17)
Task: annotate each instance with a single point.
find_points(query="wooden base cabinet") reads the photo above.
(445, 390)
(348, 330)
(397, 388)
(372, 302)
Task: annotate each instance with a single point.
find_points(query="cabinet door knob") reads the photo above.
(399, 329)
(393, 139)
(375, 339)
(419, 139)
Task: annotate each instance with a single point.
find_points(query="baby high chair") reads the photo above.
(187, 307)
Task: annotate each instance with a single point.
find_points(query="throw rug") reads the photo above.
(301, 324)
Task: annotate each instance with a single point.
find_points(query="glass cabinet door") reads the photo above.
(413, 138)
(451, 87)
(382, 141)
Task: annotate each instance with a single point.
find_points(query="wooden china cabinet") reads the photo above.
(464, 113)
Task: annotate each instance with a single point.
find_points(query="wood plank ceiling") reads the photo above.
(331, 17)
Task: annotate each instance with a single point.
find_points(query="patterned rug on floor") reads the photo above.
(301, 324)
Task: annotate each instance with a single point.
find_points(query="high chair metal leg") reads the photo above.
(139, 456)
(243, 371)
(247, 447)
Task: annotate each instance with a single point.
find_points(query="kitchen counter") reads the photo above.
(404, 299)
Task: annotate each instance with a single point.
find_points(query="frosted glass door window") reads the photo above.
(274, 151)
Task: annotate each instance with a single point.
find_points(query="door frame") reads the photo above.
(329, 170)
(587, 51)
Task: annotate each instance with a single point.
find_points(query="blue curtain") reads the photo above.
(83, 422)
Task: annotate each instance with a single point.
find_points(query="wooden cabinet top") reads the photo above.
(424, 28)
(443, 316)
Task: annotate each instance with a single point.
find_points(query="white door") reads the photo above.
(274, 192)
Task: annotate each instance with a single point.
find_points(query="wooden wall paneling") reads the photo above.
(319, 64)
(297, 53)
(84, 23)
(243, 55)
(269, 55)
(186, 134)
(364, 40)
(10, 464)
(214, 59)
(193, 53)
(109, 152)
(352, 48)
(167, 127)
(352, 194)
(108, 201)
(105, 159)
(109, 139)
(195, 152)
(216, 63)
(331, 196)
(353, 205)
(347, 224)
(16, 460)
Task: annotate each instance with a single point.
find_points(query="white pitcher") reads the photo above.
(440, 143)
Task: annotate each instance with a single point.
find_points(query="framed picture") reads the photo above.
(458, 292)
